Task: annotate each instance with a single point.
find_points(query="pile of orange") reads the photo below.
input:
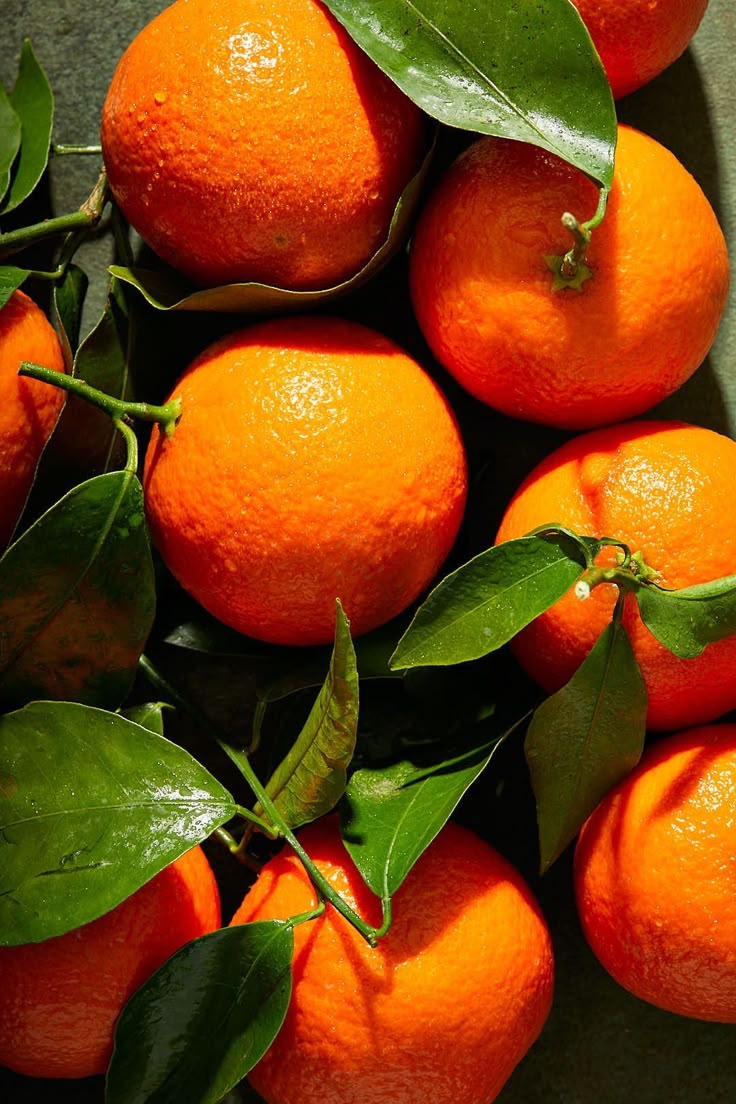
(316, 460)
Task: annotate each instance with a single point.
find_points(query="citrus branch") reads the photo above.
(167, 415)
(86, 218)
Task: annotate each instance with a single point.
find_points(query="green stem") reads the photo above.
(166, 415)
(371, 935)
(305, 917)
(553, 530)
(86, 218)
(131, 443)
(574, 259)
(621, 577)
(252, 818)
(223, 836)
(60, 149)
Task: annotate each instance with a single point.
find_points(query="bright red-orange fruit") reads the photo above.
(445, 1006)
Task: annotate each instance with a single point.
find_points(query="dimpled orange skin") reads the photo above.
(256, 142)
(482, 291)
(445, 1006)
(636, 40)
(314, 460)
(662, 488)
(654, 876)
(29, 409)
(60, 999)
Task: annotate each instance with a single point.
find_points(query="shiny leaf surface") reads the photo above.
(521, 69)
(33, 102)
(91, 807)
(488, 600)
(687, 620)
(585, 738)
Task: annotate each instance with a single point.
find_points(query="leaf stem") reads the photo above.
(320, 883)
(571, 270)
(61, 149)
(86, 218)
(167, 415)
(131, 444)
(252, 818)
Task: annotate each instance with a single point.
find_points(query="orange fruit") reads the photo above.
(314, 460)
(60, 999)
(637, 329)
(637, 41)
(445, 1006)
(29, 409)
(661, 488)
(654, 876)
(256, 142)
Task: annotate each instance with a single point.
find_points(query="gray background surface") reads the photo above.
(600, 1046)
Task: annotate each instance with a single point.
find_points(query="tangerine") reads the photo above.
(659, 487)
(29, 409)
(637, 41)
(654, 876)
(60, 999)
(634, 332)
(256, 142)
(314, 460)
(441, 1010)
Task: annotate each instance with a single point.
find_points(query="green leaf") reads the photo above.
(11, 279)
(585, 738)
(686, 620)
(33, 102)
(205, 1017)
(310, 779)
(392, 814)
(10, 135)
(91, 807)
(148, 715)
(85, 436)
(522, 69)
(77, 597)
(166, 290)
(488, 600)
(69, 295)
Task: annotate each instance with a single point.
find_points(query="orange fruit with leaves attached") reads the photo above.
(636, 40)
(654, 876)
(256, 142)
(314, 460)
(635, 330)
(29, 408)
(60, 999)
(441, 1010)
(661, 488)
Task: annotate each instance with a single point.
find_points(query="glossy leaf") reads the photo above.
(685, 621)
(311, 778)
(149, 715)
(33, 102)
(86, 436)
(11, 279)
(488, 600)
(392, 814)
(91, 807)
(77, 597)
(69, 295)
(166, 290)
(585, 738)
(521, 69)
(10, 135)
(204, 1019)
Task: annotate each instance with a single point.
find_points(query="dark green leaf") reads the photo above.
(205, 1017)
(522, 69)
(487, 601)
(33, 102)
(310, 780)
(91, 807)
(294, 671)
(11, 279)
(685, 621)
(77, 597)
(165, 290)
(392, 814)
(69, 296)
(148, 715)
(85, 436)
(10, 134)
(585, 738)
